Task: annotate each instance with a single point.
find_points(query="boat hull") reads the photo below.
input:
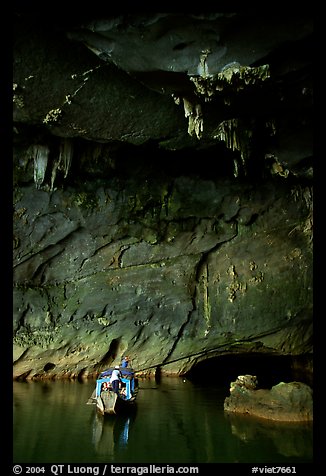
(112, 404)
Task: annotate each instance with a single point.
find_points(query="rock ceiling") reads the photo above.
(182, 80)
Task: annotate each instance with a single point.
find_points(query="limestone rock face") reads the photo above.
(162, 189)
(291, 401)
(116, 268)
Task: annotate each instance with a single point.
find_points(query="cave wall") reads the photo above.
(165, 216)
(164, 268)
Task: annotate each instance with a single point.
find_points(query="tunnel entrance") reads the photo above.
(269, 369)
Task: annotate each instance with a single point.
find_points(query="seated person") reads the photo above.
(106, 386)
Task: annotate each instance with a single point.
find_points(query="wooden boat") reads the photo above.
(109, 402)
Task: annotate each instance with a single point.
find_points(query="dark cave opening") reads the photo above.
(269, 369)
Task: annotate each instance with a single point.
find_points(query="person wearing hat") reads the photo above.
(115, 379)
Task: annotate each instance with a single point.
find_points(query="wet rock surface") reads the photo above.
(291, 401)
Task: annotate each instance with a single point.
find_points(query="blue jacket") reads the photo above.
(124, 363)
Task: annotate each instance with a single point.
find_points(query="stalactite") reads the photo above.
(66, 151)
(54, 174)
(233, 77)
(235, 138)
(40, 155)
(63, 162)
(203, 66)
(195, 119)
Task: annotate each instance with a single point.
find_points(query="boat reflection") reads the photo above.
(111, 433)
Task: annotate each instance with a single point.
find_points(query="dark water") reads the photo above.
(175, 422)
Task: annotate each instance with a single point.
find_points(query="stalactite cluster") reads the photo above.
(41, 157)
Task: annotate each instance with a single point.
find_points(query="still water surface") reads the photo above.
(176, 422)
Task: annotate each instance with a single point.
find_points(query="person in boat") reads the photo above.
(125, 361)
(115, 379)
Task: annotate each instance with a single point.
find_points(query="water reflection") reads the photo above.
(111, 433)
(291, 439)
(176, 422)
